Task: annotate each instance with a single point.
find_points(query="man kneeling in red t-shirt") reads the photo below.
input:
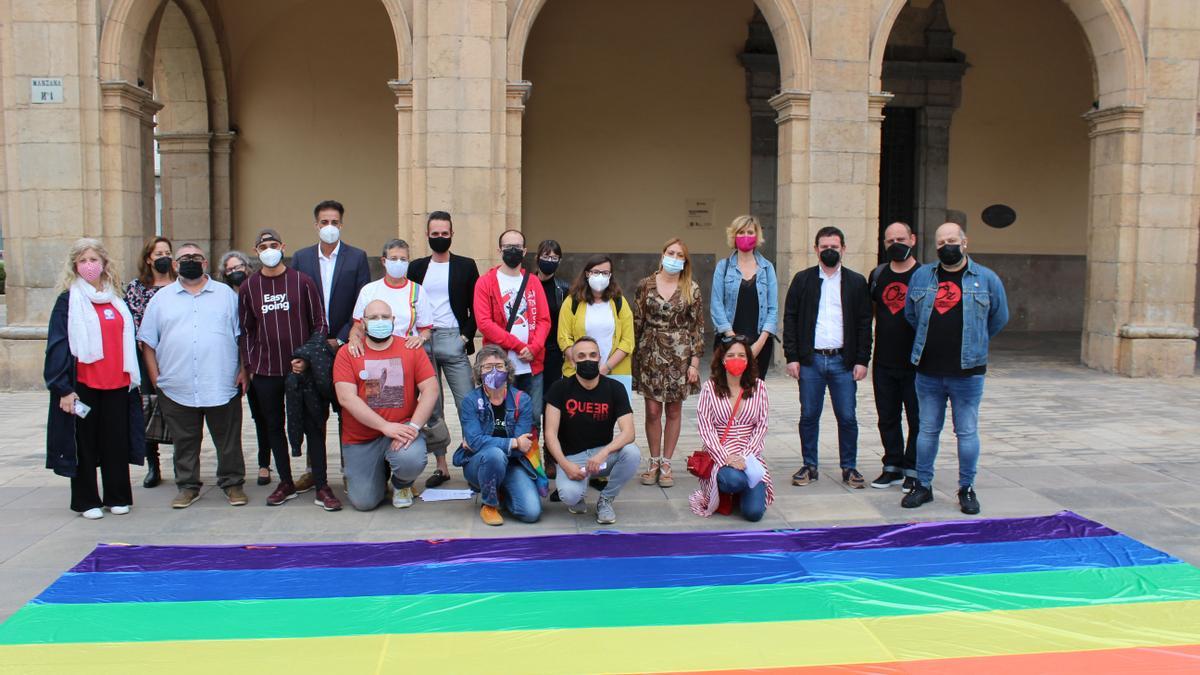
(387, 395)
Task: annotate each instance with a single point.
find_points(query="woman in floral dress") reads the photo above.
(669, 332)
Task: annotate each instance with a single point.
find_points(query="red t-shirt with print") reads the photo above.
(386, 380)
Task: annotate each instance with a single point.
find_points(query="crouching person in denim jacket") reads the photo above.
(956, 307)
(499, 456)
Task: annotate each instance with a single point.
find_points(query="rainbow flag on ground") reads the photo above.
(1054, 594)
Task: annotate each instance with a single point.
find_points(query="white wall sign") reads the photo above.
(699, 213)
(46, 90)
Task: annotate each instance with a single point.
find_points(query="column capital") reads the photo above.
(876, 101)
(790, 104)
(516, 94)
(124, 96)
(183, 142)
(403, 89)
(222, 141)
(1114, 120)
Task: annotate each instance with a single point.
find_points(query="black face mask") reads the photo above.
(548, 267)
(162, 265)
(588, 370)
(898, 252)
(439, 244)
(830, 257)
(191, 269)
(376, 340)
(512, 257)
(950, 254)
(236, 278)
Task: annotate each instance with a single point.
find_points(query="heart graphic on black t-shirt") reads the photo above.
(893, 296)
(949, 295)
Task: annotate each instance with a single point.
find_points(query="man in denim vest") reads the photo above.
(956, 307)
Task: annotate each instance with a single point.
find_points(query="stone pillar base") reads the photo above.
(1143, 351)
(22, 356)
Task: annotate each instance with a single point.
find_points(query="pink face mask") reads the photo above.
(745, 242)
(90, 270)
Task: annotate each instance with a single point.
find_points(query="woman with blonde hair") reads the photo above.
(669, 331)
(745, 292)
(91, 370)
(156, 269)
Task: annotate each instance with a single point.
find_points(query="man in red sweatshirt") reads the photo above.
(511, 311)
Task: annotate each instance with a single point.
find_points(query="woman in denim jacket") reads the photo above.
(745, 292)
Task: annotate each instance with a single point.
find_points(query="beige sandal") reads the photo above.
(665, 479)
(650, 476)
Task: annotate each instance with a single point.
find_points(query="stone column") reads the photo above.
(127, 170)
(411, 223)
(517, 93)
(934, 180)
(222, 193)
(187, 188)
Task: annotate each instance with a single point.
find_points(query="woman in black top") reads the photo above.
(549, 255)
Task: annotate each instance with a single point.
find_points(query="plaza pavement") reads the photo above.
(1054, 435)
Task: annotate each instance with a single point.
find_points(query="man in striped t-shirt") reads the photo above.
(280, 308)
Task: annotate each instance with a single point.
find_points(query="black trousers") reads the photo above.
(102, 441)
(896, 388)
(314, 440)
(271, 421)
(260, 430)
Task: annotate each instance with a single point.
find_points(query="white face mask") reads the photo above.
(270, 256)
(598, 282)
(330, 234)
(396, 269)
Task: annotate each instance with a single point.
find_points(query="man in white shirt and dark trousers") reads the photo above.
(189, 336)
(827, 342)
(448, 281)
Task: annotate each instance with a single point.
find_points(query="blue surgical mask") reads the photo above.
(379, 329)
(672, 265)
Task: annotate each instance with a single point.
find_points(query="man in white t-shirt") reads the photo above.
(412, 315)
(448, 281)
(522, 331)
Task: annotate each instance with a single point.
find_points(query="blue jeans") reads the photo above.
(964, 394)
(753, 500)
(532, 384)
(500, 479)
(828, 371)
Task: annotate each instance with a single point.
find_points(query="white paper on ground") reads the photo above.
(754, 470)
(444, 495)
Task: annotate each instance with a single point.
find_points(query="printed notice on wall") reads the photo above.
(46, 90)
(699, 213)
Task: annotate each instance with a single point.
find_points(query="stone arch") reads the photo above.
(1118, 59)
(787, 28)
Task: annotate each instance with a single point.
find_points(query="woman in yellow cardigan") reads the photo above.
(595, 307)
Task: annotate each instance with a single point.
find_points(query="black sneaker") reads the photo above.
(909, 483)
(807, 474)
(554, 496)
(917, 496)
(967, 501)
(887, 479)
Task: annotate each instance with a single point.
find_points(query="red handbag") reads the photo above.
(700, 463)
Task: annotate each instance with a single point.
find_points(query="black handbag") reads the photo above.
(156, 424)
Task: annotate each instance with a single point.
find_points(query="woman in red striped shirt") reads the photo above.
(732, 415)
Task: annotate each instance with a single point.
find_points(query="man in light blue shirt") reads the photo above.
(189, 339)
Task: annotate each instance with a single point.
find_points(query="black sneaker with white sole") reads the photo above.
(967, 501)
(887, 479)
(917, 496)
(909, 483)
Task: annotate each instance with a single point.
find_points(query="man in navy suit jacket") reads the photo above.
(339, 269)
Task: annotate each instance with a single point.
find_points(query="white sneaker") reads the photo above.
(118, 510)
(403, 498)
(93, 514)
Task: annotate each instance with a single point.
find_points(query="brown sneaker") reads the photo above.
(491, 515)
(805, 475)
(853, 478)
(236, 495)
(305, 483)
(283, 492)
(327, 500)
(185, 498)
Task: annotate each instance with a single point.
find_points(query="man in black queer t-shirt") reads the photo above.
(893, 376)
(580, 414)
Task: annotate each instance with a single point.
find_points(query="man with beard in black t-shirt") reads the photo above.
(580, 414)
(893, 374)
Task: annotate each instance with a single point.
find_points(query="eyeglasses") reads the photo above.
(550, 258)
(195, 257)
(730, 339)
(512, 247)
(237, 268)
(490, 367)
(599, 274)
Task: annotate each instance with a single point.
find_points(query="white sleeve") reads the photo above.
(424, 318)
(360, 305)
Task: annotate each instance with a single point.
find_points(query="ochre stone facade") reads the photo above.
(259, 110)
